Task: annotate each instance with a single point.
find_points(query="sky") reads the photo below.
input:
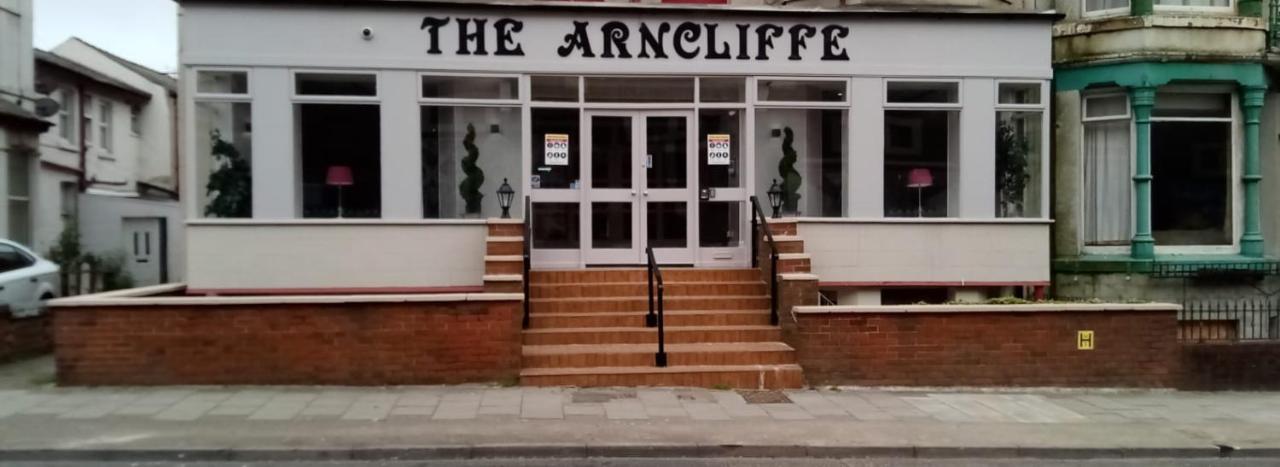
(144, 31)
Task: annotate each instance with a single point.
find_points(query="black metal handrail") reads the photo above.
(528, 239)
(660, 358)
(759, 220)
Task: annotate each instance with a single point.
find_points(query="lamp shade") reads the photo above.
(339, 175)
(919, 178)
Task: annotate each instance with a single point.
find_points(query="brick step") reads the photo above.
(641, 288)
(643, 335)
(786, 376)
(500, 246)
(636, 319)
(669, 274)
(635, 355)
(789, 244)
(503, 264)
(782, 227)
(641, 303)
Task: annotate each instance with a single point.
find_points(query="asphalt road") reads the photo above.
(667, 462)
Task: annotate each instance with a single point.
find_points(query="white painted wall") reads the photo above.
(102, 227)
(346, 254)
(916, 251)
(17, 76)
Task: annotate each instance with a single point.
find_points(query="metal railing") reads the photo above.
(759, 221)
(656, 319)
(1229, 321)
(1222, 270)
(528, 240)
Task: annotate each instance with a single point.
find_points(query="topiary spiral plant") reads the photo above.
(790, 176)
(470, 186)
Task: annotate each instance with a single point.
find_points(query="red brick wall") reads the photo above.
(1230, 366)
(1133, 348)
(23, 337)
(346, 344)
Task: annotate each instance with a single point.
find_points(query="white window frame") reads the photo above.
(335, 99)
(1122, 250)
(65, 118)
(135, 120)
(106, 125)
(1229, 9)
(957, 105)
(195, 211)
(1087, 13)
(248, 81)
(753, 94)
(1041, 107)
(467, 101)
(89, 121)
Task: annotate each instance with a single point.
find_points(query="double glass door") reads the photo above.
(637, 189)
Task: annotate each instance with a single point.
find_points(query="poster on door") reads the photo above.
(718, 149)
(556, 149)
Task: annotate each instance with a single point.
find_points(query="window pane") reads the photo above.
(610, 152)
(1192, 105)
(475, 146)
(11, 259)
(667, 146)
(336, 84)
(222, 82)
(1199, 3)
(341, 160)
(722, 90)
(1099, 5)
(1191, 186)
(720, 223)
(470, 87)
(720, 122)
(1107, 183)
(105, 138)
(668, 225)
(921, 167)
(554, 88)
(19, 175)
(1106, 106)
(639, 89)
(20, 221)
(555, 225)
(223, 140)
(800, 91)
(1019, 163)
(923, 92)
(804, 151)
(1019, 93)
(611, 225)
(548, 125)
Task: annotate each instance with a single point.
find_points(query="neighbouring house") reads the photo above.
(20, 127)
(109, 164)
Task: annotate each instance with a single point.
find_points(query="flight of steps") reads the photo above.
(587, 328)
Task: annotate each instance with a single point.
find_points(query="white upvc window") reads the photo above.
(1095, 8)
(135, 120)
(105, 120)
(87, 119)
(1210, 6)
(65, 118)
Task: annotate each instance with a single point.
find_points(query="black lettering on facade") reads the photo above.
(432, 25)
(505, 28)
(765, 33)
(831, 49)
(615, 35)
(712, 53)
(465, 38)
(577, 39)
(743, 31)
(799, 34)
(687, 33)
(655, 41)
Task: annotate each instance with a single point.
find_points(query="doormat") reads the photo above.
(765, 397)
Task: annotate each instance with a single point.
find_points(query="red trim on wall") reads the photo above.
(339, 290)
(933, 284)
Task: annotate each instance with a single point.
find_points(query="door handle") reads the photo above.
(633, 192)
(646, 192)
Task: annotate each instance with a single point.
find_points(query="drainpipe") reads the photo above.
(80, 110)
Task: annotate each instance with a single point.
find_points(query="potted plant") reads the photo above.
(470, 186)
(1011, 170)
(788, 173)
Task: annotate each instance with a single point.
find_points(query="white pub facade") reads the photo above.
(361, 145)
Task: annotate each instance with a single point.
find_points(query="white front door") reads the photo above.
(637, 190)
(142, 237)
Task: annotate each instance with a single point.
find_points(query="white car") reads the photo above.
(26, 280)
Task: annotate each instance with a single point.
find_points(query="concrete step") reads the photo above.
(641, 288)
(636, 319)
(641, 303)
(643, 335)
(785, 376)
(636, 355)
(669, 274)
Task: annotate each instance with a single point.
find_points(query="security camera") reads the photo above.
(366, 33)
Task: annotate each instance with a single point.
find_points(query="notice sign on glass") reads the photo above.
(717, 149)
(557, 149)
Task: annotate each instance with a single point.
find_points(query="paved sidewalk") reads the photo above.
(475, 419)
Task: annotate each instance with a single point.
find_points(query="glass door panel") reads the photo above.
(668, 194)
(611, 194)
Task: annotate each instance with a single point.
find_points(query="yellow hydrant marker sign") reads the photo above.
(1084, 340)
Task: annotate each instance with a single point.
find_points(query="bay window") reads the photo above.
(1108, 179)
(1191, 154)
(339, 137)
(921, 148)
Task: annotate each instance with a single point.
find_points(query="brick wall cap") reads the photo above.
(984, 308)
(798, 276)
(148, 296)
(793, 256)
(503, 278)
(920, 220)
(499, 220)
(345, 222)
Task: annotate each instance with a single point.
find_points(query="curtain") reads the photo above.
(1107, 182)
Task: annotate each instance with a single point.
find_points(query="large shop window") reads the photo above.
(804, 152)
(341, 166)
(1107, 170)
(467, 154)
(921, 148)
(223, 143)
(550, 126)
(1191, 188)
(1019, 150)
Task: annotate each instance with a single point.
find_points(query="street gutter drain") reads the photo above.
(765, 397)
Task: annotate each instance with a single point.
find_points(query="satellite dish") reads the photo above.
(46, 107)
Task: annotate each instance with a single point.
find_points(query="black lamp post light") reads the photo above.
(505, 196)
(775, 198)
